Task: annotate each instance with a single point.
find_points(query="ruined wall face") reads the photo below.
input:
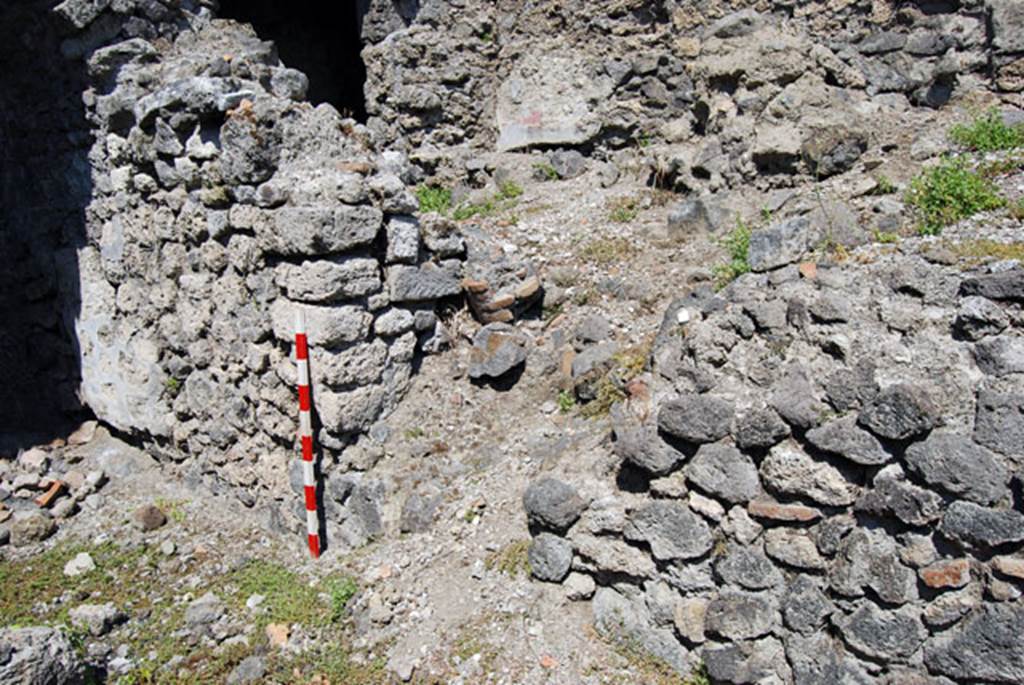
(821, 481)
(221, 204)
(717, 97)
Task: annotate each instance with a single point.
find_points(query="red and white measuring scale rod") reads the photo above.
(306, 434)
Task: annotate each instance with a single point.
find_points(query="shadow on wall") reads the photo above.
(45, 186)
(318, 38)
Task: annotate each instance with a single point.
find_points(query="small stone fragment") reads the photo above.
(552, 504)
(248, 672)
(793, 547)
(98, 619)
(789, 470)
(843, 437)
(671, 528)
(959, 466)
(148, 517)
(978, 527)
(696, 418)
(773, 511)
(31, 527)
(737, 615)
(877, 634)
(941, 575)
(579, 586)
(497, 349)
(688, 618)
(80, 564)
(900, 411)
(204, 611)
(550, 557)
(725, 472)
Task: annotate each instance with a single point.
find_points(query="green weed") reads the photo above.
(606, 251)
(988, 133)
(434, 199)
(173, 386)
(1000, 167)
(948, 193)
(566, 401)
(509, 190)
(545, 171)
(173, 508)
(737, 243)
(1017, 209)
(883, 186)
(980, 250)
(623, 209)
(886, 237)
(341, 590)
(511, 560)
(505, 198)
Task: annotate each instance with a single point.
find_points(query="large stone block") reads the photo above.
(316, 230)
(325, 326)
(550, 98)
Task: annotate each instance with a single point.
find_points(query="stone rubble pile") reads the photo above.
(44, 486)
(822, 482)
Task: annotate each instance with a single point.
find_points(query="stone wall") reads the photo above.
(821, 480)
(220, 204)
(713, 94)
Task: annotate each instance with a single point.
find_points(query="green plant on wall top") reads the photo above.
(434, 199)
(737, 243)
(988, 133)
(948, 193)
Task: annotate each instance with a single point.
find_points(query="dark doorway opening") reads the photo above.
(321, 39)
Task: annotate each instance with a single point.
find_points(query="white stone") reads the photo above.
(82, 563)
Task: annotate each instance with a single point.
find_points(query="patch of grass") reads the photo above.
(699, 676)
(468, 643)
(434, 199)
(34, 591)
(511, 560)
(737, 243)
(629, 363)
(652, 670)
(1016, 209)
(983, 250)
(173, 508)
(608, 393)
(545, 171)
(341, 591)
(28, 587)
(566, 401)
(883, 186)
(623, 210)
(288, 598)
(509, 190)
(948, 193)
(885, 237)
(549, 314)
(505, 198)
(414, 433)
(605, 251)
(173, 386)
(1001, 167)
(584, 297)
(988, 133)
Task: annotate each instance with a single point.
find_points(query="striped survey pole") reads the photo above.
(306, 434)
